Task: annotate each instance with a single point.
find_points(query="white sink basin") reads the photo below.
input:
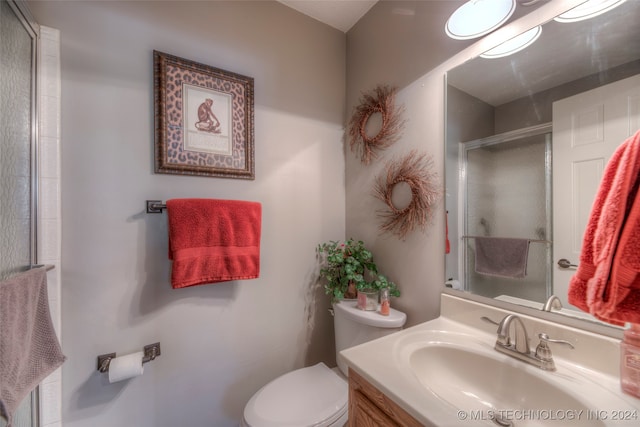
(446, 373)
(486, 386)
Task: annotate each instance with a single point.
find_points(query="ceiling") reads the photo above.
(340, 14)
(556, 58)
(563, 53)
(343, 14)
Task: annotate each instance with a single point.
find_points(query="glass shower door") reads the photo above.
(507, 175)
(17, 153)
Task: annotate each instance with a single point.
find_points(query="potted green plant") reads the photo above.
(348, 267)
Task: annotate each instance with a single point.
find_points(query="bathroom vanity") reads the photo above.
(368, 406)
(447, 372)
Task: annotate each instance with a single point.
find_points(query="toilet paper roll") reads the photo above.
(455, 284)
(125, 367)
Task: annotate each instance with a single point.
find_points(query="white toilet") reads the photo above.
(317, 395)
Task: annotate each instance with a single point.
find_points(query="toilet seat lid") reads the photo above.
(312, 396)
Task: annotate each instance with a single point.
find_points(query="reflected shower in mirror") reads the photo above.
(527, 138)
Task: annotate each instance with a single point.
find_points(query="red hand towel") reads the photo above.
(577, 294)
(622, 297)
(213, 241)
(610, 256)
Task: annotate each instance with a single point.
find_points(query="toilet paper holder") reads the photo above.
(151, 351)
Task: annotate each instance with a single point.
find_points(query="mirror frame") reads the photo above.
(582, 324)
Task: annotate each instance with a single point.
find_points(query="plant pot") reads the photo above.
(367, 299)
(351, 292)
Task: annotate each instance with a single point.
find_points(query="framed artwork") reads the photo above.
(203, 119)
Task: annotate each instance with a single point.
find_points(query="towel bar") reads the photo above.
(155, 206)
(151, 351)
(531, 240)
(48, 267)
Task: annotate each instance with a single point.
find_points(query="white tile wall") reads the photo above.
(49, 209)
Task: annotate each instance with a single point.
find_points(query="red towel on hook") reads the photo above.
(607, 282)
(447, 243)
(213, 240)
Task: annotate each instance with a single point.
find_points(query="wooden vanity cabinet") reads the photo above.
(369, 407)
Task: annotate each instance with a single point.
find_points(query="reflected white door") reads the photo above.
(587, 128)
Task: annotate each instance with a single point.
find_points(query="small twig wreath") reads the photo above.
(415, 170)
(380, 100)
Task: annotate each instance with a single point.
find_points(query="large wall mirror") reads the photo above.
(527, 138)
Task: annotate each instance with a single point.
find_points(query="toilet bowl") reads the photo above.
(317, 396)
(312, 396)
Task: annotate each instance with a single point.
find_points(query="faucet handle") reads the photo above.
(544, 338)
(543, 352)
(489, 320)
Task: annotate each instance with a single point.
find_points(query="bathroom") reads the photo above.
(222, 342)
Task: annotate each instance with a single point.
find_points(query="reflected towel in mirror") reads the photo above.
(501, 256)
(607, 282)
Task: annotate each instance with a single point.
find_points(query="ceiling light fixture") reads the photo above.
(514, 45)
(476, 18)
(587, 10)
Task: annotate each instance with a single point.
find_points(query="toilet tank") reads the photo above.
(353, 326)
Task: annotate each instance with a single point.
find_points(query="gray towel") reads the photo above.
(504, 257)
(29, 347)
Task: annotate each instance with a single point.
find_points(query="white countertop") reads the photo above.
(385, 363)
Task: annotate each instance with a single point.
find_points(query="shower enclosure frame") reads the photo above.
(33, 29)
(463, 149)
(22, 13)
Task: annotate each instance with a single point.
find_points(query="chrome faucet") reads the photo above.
(521, 344)
(518, 347)
(552, 302)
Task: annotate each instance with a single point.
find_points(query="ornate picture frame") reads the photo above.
(204, 122)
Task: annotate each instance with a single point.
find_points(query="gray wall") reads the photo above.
(396, 43)
(222, 342)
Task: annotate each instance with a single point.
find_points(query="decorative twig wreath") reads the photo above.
(380, 100)
(415, 170)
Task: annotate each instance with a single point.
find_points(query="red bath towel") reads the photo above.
(607, 282)
(213, 241)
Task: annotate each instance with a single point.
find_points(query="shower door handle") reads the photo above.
(565, 263)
